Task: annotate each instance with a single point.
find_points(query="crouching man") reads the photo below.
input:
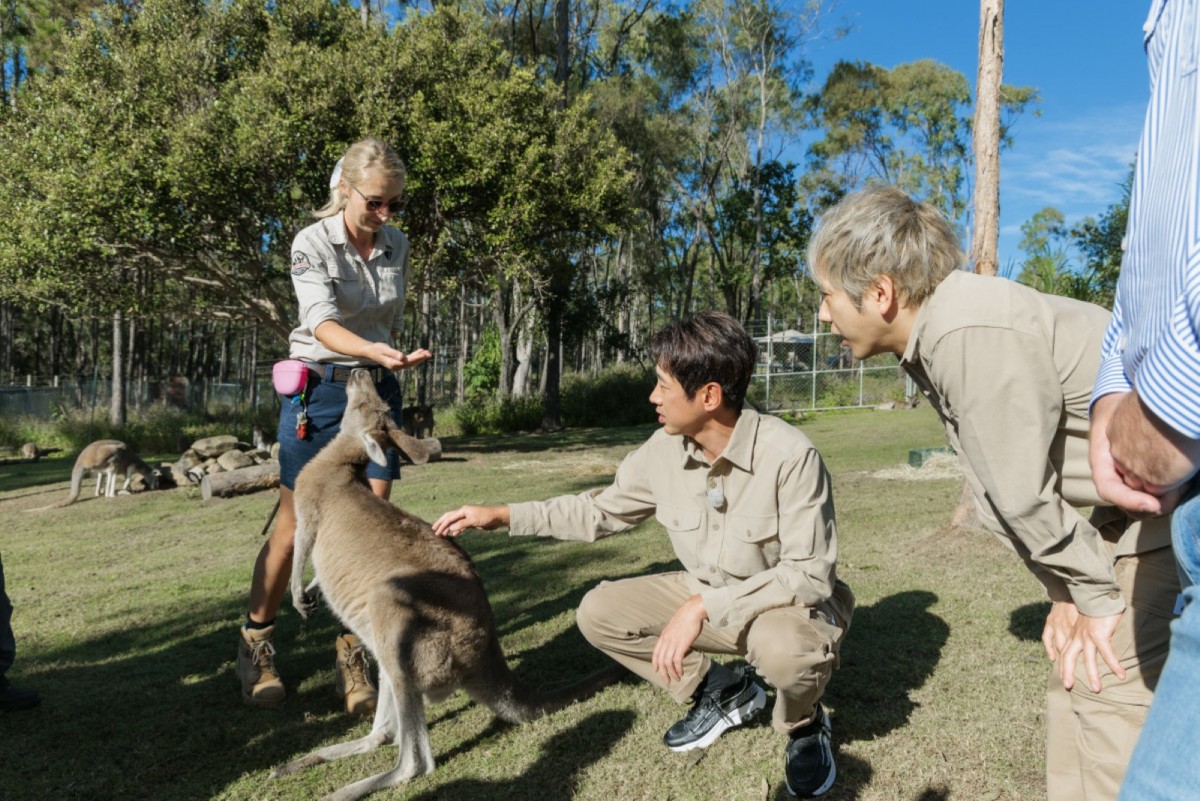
(1010, 372)
(746, 500)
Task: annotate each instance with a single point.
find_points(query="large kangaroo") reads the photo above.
(415, 599)
(106, 458)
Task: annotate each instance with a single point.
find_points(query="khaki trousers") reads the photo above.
(794, 648)
(1090, 736)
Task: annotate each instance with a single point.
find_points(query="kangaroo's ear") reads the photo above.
(375, 442)
(411, 447)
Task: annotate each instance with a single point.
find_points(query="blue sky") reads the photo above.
(1085, 59)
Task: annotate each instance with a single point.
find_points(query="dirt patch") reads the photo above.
(938, 467)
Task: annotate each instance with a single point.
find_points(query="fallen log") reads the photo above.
(240, 482)
(434, 446)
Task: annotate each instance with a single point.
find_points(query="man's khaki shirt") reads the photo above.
(772, 542)
(1010, 372)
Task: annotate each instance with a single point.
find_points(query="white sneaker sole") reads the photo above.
(737, 717)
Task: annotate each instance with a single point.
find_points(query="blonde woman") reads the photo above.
(350, 271)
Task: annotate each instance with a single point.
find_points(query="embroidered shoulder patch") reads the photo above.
(300, 264)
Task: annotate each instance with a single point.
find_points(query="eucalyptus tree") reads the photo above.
(1045, 241)
(909, 126)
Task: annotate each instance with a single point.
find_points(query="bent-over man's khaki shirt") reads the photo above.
(771, 543)
(1010, 372)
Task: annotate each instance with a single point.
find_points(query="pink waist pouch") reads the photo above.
(290, 376)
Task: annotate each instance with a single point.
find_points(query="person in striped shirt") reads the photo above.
(1145, 430)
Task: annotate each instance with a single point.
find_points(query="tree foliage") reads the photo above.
(579, 170)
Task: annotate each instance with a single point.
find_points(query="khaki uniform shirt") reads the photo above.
(334, 283)
(770, 542)
(1010, 372)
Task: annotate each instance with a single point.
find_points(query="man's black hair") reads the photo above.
(708, 346)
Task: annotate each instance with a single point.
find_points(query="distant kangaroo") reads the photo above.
(106, 458)
(415, 599)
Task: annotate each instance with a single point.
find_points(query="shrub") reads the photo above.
(617, 396)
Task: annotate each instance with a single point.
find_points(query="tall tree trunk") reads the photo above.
(428, 340)
(463, 346)
(6, 331)
(985, 245)
(986, 134)
(253, 366)
(551, 413)
(116, 414)
(501, 315)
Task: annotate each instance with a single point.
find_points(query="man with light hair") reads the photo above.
(1010, 371)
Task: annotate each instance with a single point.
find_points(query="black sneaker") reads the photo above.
(712, 715)
(15, 700)
(808, 765)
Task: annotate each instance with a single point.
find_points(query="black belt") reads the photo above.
(340, 374)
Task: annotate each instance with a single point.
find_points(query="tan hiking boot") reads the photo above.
(353, 683)
(261, 685)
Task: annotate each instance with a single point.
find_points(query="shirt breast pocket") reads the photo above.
(751, 544)
(683, 525)
(348, 287)
(392, 282)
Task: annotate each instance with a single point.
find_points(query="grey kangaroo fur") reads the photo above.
(106, 458)
(415, 599)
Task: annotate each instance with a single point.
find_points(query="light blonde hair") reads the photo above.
(883, 231)
(364, 157)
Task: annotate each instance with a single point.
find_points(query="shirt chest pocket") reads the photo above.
(751, 544)
(350, 288)
(683, 520)
(392, 280)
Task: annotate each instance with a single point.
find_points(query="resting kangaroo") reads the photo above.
(415, 599)
(106, 458)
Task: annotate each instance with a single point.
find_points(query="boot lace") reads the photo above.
(262, 655)
(357, 665)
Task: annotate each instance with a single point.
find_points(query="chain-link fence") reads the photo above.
(796, 371)
(812, 371)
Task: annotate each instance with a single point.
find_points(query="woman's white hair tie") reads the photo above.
(337, 174)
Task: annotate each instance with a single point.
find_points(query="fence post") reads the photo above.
(770, 356)
(812, 368)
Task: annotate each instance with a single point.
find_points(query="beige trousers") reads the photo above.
(794, 648)
(1090, 736)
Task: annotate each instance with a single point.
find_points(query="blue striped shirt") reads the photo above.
(1153, 342)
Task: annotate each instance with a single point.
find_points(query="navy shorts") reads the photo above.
(326, 404)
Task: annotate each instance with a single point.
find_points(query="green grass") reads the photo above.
(126, 611)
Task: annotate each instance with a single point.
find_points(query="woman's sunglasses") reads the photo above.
(393, 206)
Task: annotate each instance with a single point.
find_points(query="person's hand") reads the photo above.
(453, 523)
(1090, 637)
(1150, 456)
(677, 638)
(413, 359)
(385, 355)
(1110, 483)
(1060, 624)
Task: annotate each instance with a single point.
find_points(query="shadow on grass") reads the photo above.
(1027, 622)
(154, 712)
(891, 650)
(35, 474)
(553, 776)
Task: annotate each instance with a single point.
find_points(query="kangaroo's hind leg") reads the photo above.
(383, 732)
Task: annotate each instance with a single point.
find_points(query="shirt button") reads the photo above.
(712, 483)
(1114, 595)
